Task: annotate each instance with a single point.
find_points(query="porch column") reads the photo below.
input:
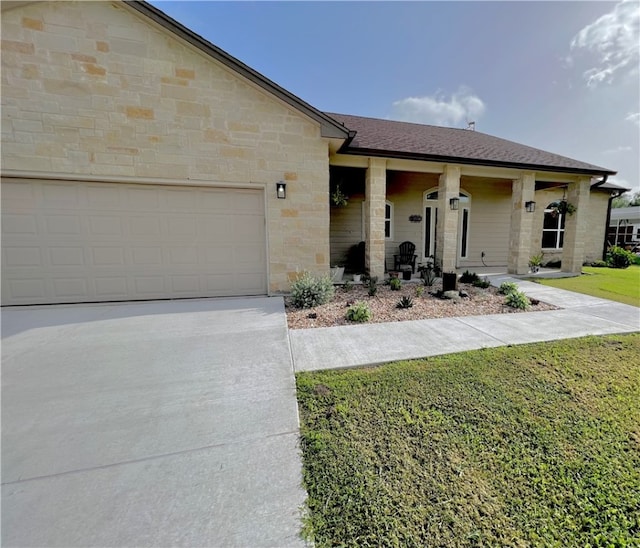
(521, 230)
(575, 226)
(447, 226)
(375, 195)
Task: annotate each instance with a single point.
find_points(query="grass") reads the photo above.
(622, 285)
(535, 445)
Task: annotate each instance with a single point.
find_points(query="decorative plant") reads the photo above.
(469, 277)
(338, 197)
(405, 302)
(395, 284)
(507, 287)
(372, 285)
(428, 274)
(562, 207)
(308, 291)
(536, 260)
(483, 284)
(359, 312)
(419, 290)
(517, 299)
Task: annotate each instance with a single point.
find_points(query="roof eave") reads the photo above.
(471, 161)
(330, 128)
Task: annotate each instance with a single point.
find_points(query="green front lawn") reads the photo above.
(622, 285)
(534, 445)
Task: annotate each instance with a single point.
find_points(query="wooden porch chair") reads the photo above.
(406, 256)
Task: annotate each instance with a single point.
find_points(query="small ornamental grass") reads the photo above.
(359, 312)
(308, 291)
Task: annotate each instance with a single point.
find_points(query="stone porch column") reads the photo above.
(575, 226)
(447, 226)
(375, 196)
(521, 232)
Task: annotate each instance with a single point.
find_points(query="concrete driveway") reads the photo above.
(150, 424)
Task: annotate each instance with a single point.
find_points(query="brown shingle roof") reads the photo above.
(376, 137)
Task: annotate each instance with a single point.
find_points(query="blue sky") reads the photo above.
(560, 76)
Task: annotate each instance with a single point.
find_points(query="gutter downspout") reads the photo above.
(605, 245)
(600, 183)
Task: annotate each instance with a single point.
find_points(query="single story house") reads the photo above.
(624, 227)
(140, 161)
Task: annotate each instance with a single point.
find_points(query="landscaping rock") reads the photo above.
(452, 295)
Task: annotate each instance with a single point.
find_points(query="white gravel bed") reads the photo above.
(383, 306)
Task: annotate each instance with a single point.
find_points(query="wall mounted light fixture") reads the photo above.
(454, 203)
(530, 206)
(281, 190)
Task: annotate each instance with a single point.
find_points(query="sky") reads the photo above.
(559, 76)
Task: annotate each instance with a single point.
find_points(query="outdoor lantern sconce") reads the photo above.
(454, 203)
(530, 206)
(281, 190)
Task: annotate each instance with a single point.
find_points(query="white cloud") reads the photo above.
(613, 38)
(617, 150)
(458, 109)
(633, 117)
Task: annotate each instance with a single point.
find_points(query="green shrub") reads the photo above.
(507, 287)
(347, 286)
(599, 264)
(517, 299)
(617, 257)
(468, 277)
(359, 312)
(405, 302)
(395, 284)
(482, 283)
(308, 291)
(419, 291)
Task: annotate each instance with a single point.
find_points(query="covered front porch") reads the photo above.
(461, 217)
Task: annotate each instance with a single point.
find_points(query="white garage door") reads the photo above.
(67, 242)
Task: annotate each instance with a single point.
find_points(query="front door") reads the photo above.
(430, 225)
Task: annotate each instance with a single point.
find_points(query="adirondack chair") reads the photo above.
(406, 256)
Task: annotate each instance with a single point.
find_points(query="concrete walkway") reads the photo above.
(150, 424)
(369, 344)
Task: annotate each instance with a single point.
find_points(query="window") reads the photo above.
(553, 227)
(388, 220)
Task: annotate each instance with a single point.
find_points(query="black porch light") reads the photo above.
(281, 190)
(530, 206)
(454, 203)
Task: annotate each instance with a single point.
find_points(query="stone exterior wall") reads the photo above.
(95, 89)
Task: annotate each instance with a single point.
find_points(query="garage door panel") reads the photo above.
(144, 226)
(87, 242)
(62, 224)
(105, 226)
(19, 224)
(111, 287)
(143, 199)
(64, 195)
(70, 288)
(21, 256)
(181, 228)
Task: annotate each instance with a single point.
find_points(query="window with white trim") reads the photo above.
(388, 220)
(553, 227)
